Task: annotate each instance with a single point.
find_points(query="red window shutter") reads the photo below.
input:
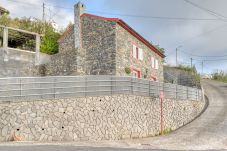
(139, 74)
(137, 52)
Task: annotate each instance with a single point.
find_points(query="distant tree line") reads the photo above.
(220, 76)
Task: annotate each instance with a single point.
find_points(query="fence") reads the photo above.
(31, 88)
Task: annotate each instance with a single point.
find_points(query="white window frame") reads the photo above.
(134, 51)
(152, 62)
(156, 64)
(140, 54)
(137, 52)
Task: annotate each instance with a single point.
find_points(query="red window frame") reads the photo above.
(138, 73)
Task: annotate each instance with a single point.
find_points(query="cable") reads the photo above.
(205, 9)
(191, 54)
(128, 15)
(159, 17)
(204, 33)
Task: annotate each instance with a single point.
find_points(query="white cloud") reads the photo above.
(28, 8)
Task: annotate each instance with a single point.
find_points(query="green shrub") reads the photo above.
(50, 42)
(127, 70)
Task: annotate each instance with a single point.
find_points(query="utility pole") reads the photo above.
(43, 12)
(191, 62)
(44, 24)
(202, 67)
(176, 57)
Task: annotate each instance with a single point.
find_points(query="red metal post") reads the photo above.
(161, 102)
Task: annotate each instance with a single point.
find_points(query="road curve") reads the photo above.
(209, 131)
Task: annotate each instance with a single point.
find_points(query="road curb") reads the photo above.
(204, 109)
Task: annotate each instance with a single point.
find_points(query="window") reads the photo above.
(136, 73)
(137, 53)
(140, 54)
(156, 64)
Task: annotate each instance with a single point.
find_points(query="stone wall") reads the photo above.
(98, 39)
(63, 63)
(67, 43)
(92, 118)
(14, 67)
(124, 57)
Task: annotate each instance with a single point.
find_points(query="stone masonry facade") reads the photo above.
(124, 59)
(106, 48)
(93, 118)
(98, 39)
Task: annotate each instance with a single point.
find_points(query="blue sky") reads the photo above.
(196, 37)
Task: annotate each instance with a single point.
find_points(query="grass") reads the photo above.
(220, 76)
(190, 70)
(166, 131)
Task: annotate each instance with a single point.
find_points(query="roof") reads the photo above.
(125, 26)
(66, 33)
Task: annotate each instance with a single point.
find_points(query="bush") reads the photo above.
(127, 70)
(50, 42)
(220, 76)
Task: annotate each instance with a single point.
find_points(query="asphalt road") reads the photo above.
(208, 132)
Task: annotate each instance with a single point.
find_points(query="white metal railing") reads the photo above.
(31, 88)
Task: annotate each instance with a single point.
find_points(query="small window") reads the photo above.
(137, 53)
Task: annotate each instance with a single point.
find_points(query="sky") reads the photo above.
(198, 28)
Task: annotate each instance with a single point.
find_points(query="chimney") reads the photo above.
(79, 9)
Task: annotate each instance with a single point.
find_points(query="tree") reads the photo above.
(162, 50)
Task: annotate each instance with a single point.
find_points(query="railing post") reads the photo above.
(37, 50)
(131, 85)
(85, 88)
(5, 43)
(111, 86)
(54, 87)
(149, 90)
(187, 93)
(20, 89)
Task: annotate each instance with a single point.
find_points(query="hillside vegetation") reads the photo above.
(220, 76)
(49, 44)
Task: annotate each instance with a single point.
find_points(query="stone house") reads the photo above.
(108, 46)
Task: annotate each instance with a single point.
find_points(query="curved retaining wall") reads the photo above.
(93, 118)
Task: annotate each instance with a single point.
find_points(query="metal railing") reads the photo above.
(35, 88)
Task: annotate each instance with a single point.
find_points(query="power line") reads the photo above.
(205, 9)
(204, 33)
(195, 55)
(158, 17)
(129, 15)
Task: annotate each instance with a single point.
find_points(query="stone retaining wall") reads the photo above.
(92, 118)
